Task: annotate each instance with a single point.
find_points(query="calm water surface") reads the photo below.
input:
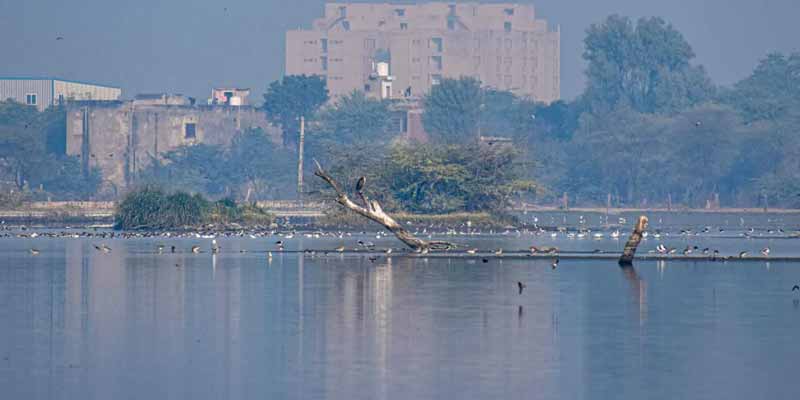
(76, 323)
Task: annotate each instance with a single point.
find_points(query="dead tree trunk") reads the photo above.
(372, 210)
(633, 242)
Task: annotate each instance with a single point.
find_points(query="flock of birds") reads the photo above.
(427, 231)
(374, 253)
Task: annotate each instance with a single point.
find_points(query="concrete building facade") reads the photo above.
(503, 45)
(122, 138)
(45, 92)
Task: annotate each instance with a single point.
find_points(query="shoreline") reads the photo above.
(61, 214)
(614, 211)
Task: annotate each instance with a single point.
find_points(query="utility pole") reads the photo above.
(300, 145)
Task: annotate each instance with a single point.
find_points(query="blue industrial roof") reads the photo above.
(47, 78)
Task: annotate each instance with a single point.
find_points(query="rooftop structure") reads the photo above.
(229, 96)
(43, 92)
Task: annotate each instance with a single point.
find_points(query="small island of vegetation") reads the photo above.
(151, 207)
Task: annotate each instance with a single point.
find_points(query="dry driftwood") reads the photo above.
(633, 242)
(373, 211)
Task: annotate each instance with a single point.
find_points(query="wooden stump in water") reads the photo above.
(633, 242)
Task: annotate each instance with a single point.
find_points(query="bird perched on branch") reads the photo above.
(795, 287)
(521, 286)
(360, 184)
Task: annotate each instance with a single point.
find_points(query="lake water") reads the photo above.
(76, 323)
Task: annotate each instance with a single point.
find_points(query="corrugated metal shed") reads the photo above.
(45, 92)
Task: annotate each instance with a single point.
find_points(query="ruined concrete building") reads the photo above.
(122, 138)
(503, 45)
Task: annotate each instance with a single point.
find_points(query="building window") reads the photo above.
(342, 12)
(30, 99)
(324, 61)
(509, 11)
(190, 130)
(400, 12)
(508, 44)
(436, 79)
(435, 44)
(403, 26)
(451, 24)
(436, 63)
(369, 44)
(346, 25)
(324, 43)
(507, 27)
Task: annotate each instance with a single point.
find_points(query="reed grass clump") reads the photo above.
(153, 208)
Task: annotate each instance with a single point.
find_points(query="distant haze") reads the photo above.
(189, 47)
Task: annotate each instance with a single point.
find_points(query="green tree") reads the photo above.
(645, 66)
(258, 166)
(452, 110)
(621, 153)
(32, 146)
(292, 97)
(703, 145)
(198, 168)
(447, 178)
(352, 119)
(771, 91)
(251, 167)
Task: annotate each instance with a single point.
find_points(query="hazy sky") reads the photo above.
(189, 47)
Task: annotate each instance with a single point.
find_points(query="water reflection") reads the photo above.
(78, 323)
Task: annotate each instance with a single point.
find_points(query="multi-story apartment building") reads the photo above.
(503, 45)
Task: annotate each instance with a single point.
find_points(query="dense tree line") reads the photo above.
(33, 163)
(650, 129)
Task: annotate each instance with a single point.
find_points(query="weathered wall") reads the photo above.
(123, 138)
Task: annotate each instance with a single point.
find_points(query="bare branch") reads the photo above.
(374, 212)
